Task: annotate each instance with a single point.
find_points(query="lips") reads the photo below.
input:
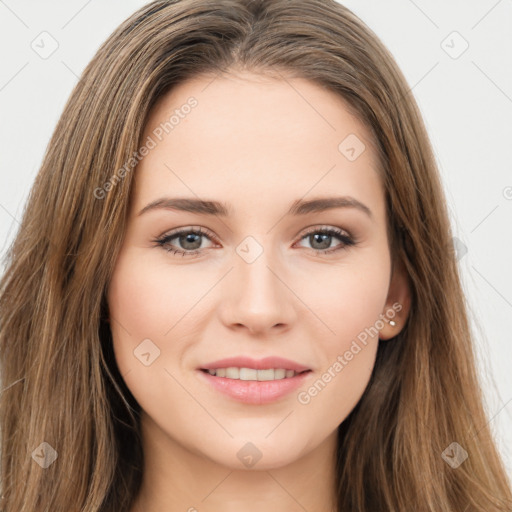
(254, 392)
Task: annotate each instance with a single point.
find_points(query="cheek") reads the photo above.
(347, 302)
(350, 311)
(136, 300)
(147, 299)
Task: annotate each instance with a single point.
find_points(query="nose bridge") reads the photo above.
(256, 285)
(257, 296)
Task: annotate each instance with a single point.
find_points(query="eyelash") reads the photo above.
(347, 240)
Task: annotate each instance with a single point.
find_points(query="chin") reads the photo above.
(258, 452)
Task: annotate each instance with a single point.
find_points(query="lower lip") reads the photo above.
(255, 392)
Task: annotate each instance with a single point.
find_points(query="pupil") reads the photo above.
(190, 238)
(324, 240)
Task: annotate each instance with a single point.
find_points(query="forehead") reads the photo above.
(257, 139)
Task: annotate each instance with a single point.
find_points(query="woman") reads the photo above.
(233, 286)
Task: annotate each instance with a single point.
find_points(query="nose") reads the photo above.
(257, 298)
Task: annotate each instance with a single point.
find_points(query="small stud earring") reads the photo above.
(392, 323)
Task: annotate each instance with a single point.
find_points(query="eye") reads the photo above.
(190, 240)
(321, 239)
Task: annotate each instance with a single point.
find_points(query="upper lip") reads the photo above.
(259, 364)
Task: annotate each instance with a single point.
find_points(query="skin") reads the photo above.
(257, 145)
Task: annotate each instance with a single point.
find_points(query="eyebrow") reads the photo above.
(298, 207)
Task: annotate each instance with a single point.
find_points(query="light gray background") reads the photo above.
(465, 98)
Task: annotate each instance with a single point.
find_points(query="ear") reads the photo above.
(398, 302)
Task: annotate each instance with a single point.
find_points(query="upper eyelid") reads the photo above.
(324, 227)
(191, 229)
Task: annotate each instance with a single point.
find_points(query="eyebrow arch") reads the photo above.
(298, 207)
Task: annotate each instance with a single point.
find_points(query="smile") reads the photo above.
(252, 373)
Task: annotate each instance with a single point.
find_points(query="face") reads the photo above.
(261, 270)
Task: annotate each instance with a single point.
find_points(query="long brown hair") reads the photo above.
(60, 382)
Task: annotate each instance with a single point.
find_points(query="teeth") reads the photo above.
(244, 374)
(232, 373)
(269, 374)
(253, 374)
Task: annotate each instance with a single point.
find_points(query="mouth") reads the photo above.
(252, 386)
(253, 374)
